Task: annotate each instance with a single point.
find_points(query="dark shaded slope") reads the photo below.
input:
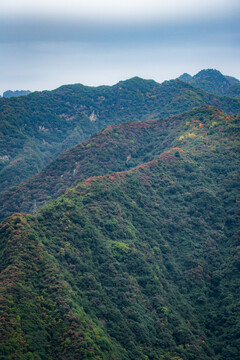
(146, 259)
(114, 149)
(34, 129)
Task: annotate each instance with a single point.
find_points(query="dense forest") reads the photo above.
(116, 148)
(214, 82)
(126, 246)
(35, 129)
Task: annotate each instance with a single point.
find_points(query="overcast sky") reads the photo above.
(47, 43)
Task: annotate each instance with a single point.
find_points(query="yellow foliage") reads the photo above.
(191, 135)
(213, 124)
(181, 137)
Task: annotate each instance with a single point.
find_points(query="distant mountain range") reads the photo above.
(16, 93)
(214, 82)
(35, 129)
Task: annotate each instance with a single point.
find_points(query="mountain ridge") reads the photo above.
(36, 128)
(214, 82)
(132, 250)
(129, 265)
(114, 149)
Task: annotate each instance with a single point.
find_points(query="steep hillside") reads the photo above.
(214, 82)
(34, 129)
(115, 149)
(139, 264)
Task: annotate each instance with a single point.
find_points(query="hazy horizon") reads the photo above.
(106, 84)
(47, 44)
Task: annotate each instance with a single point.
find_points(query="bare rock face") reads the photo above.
(93, 116)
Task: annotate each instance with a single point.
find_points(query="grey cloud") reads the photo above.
(214, 31)
(43, 54)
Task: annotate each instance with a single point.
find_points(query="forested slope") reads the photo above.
(137, 264)
(115, 149)
(214, 82)
(35, 129)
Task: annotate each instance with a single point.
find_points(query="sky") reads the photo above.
(47, 43)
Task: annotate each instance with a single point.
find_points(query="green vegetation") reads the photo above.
(214, 82)
(233, 91)
(35, 129)
(117, 148)
(135, 264)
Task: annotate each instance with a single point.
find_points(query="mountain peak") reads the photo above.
(185, 77)
(210, 74)
(136, 81)
(212, 81)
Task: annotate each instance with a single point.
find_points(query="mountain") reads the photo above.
(233, 91)
(185, 77)
(214, 82)
(116, 148)
(135, 264)
(16, 93)
(35, 129)
(232, 80)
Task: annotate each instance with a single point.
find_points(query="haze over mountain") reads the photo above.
(45, 44)
(38, 127)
